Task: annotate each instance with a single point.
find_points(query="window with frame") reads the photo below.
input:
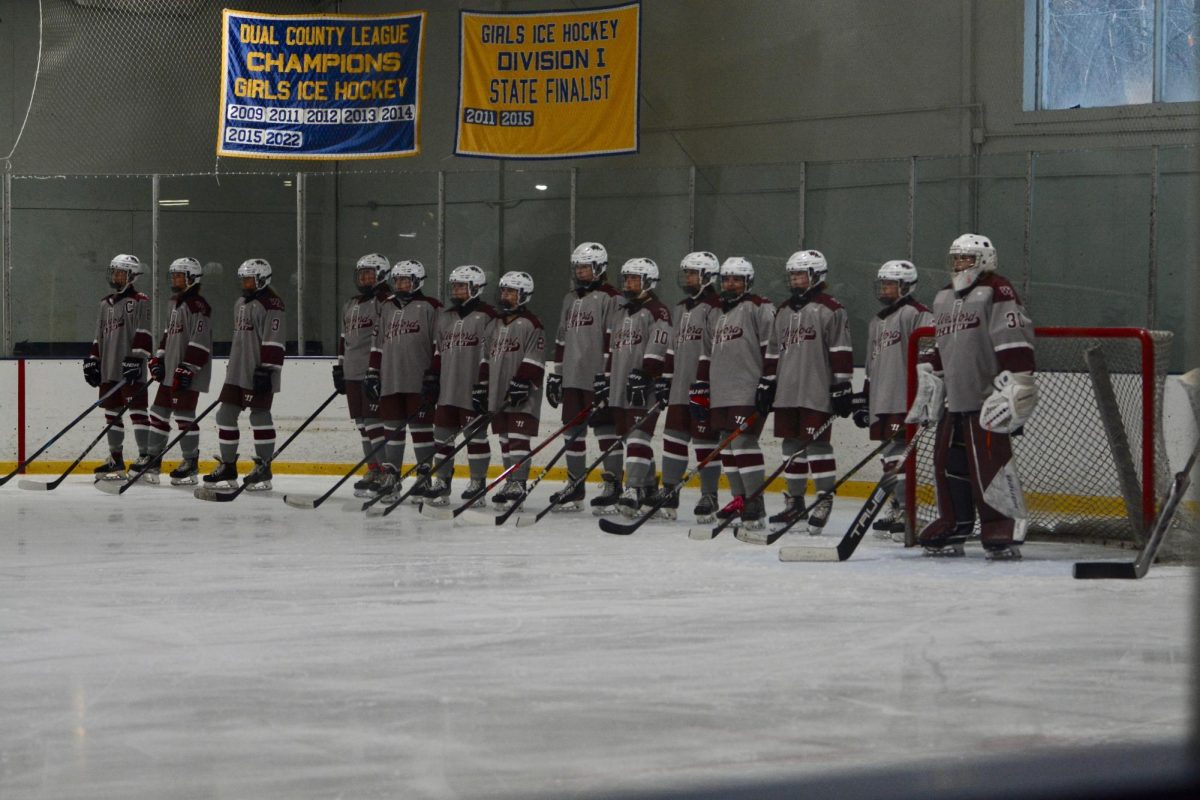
(1093, 53)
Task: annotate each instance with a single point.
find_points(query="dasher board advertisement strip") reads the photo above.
(559, 84)
(320, 86)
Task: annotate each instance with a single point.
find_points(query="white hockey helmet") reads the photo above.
(127, 264)
(737, 267)
(522, 282)
(188, 267)
(810, 261)
(903, 273)
(591, 254)
(473, 277)
(705, 265)
(644, 268)
(411, 269)
(371, 262)
(984, 253)
(257, 268)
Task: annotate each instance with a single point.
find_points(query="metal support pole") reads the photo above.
(155, 327)
(574, 198)
(692, 207)
(441, 235)
(1152, 276)
(912, 207)
(6, 261)
(1027, 236)
(802, 191)
(301, 236)
(500, 221)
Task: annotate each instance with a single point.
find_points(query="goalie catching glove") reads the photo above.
(1011, 404)
(930, 402)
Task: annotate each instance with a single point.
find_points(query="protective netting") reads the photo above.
(1078, 477)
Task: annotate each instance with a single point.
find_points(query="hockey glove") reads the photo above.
(1011, 404)
(184, 377)
(518, 391)
(861, 413)
(339, 378)
(554, 390)
(131, 370)
(841, 395)
(479, 398)
(157, 370)
(698, 399)
(764, 395)
(637, 386)
(662, 390)
(431, 387)
(91, 371)
(262, 380)
(930, 401)
(600, 388)
(371, 386)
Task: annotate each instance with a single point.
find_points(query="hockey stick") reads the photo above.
(109, 487)
(308, 502)
(1085, 570)
(444, 512)
(208, 493)
(626, 528)
(116, 388)
(705, 533)
(524, 520)
(772, 536)
(858, 528)
(38, 486)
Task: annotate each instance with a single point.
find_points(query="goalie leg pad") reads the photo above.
(997, 488)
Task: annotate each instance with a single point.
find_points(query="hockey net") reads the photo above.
(1092, 459)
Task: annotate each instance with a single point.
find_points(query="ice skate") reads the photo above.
(186, 473)
(438, 493)
(819, 515)
(629, 503)
(706, 509)
(941, 538)
(111, 470)
(224, 477)
(513, 492)
(568, 499)
(259, 479)
(733, 508)
(890, 522)
(754, 514)
(368, 485)
(669, 497)
(793, 512)
(148, 467)
(390, 487)
(417, 496)
(606, 502)
(474, 488)
(1001, 552)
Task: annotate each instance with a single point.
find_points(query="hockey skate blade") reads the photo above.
(1088, 570)
(701, 534)
(808, 552)
(436, 512)
(33, 486)
(307, 502)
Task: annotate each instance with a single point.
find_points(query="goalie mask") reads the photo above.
(126, 264)
(466, 284)
(258, 269)
(971, 255)
(191, 271)
(810, 263)
(698, 271)
(734, 271)
(647, 273)
(370, 270)
(520, 283)
(414, 271)
(901, 273)
(588, 254)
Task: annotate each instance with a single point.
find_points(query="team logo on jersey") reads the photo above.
(505, 344)
(402, 327)
(460, 339)
(113, 324)
(580, 319)
(175, 325)
(796, 335)
(358, 320)
(627, 337)
(886, 339)
(948, 322)
(727, 333)
(243, 321)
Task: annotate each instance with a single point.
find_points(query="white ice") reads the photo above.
(155, 646)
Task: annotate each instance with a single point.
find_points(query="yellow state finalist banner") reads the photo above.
(557, 84)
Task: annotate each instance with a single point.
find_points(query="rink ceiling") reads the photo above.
(159, 646)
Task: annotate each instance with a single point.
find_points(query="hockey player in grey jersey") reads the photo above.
(637, 352)
(399, 376)
(183, 370)
(978, 386)
(360, 319)
(510, 380)
(119, 350)
(579, 354)
(806, 380)
(252, 378)
(464, 331)
(883, 401)
(697, 276)
(735, 344)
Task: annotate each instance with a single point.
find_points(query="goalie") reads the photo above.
(978, 387)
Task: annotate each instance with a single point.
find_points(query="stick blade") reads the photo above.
(620, 529)
(808, 552)
(701, 534)
(525, 520)
(307, 502)
(1098, 570)
(33, 486)
(213, 495)
(111, 487)
(475, 516)
(436, 512)
(760, 536)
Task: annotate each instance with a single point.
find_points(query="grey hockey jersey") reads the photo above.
(640, 338)
(360, 318)
(463, 337)
(687, 342)
(809, 351)
(517, 351)
(735, 344)
(888, 334)
(188, 339)
(259, 338)
(122, 331)
(402, 349)
(583, 326)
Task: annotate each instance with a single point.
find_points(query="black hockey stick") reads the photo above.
(216, 495)
(1086, 570)
(706, 533)
(772, 536)
(444, 512)
(577, 481)
(858, 528)
(626, 528)
(110, 487)
(308, 502)
(116, 388)
(38, 486)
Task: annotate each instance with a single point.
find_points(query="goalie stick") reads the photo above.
(626, 528)
(108, 487)
(705, 533)
(216, 495)
(38, 486)
(1088, 570)
(116, 388)
(862, 520)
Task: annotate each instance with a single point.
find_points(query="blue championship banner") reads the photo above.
(320, 87)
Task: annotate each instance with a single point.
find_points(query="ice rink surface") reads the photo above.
(156, 646)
